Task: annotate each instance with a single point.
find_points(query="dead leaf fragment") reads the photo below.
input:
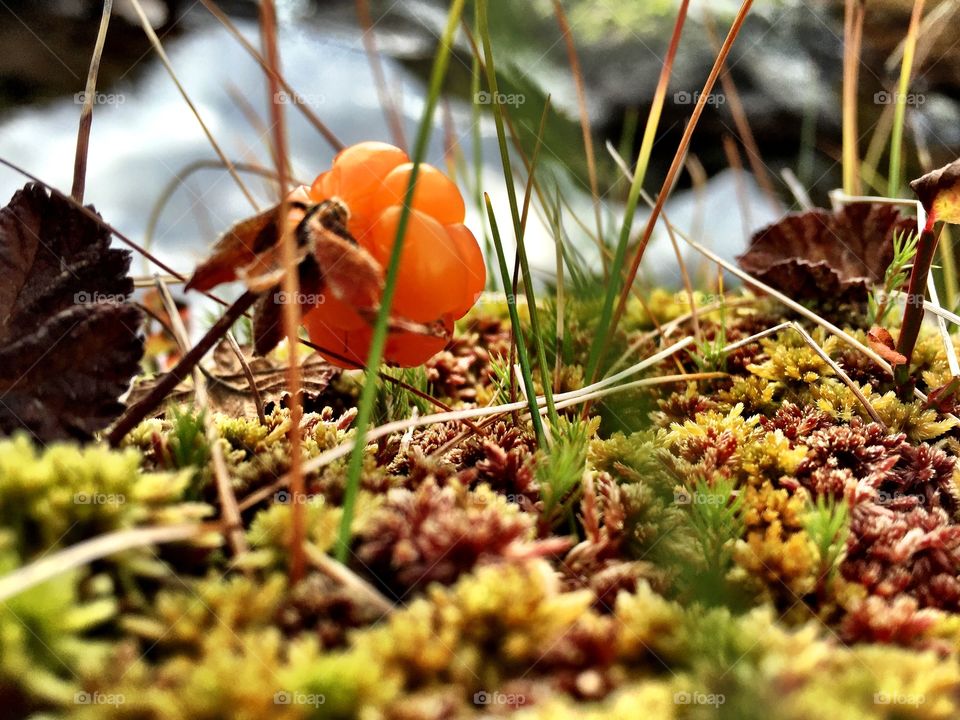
(229, 392)
(331, 265)
(881, 341)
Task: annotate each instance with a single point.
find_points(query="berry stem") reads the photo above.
(913, 311)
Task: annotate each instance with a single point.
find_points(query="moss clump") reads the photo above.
(63, 494)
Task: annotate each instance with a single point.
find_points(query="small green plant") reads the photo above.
(896, 276)
(710, 355)
(560, 473)
(500, 371)
(827, 525)
(715, 518)
(188, 442)
(395, 402)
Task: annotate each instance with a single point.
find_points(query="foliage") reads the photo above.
(894, 278)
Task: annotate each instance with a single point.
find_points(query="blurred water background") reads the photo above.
(786, 66)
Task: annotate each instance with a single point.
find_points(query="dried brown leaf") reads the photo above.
(69, 340)
(229, 392)
(329, 261)
(826, 255)
(247, 247)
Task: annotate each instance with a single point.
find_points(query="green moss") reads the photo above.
(44, 635)
(711, 503)
(62, 494)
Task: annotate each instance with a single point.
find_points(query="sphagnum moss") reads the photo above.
(605, 612)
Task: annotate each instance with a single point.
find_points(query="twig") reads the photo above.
(251, 382)
(96, 548)
(739, 113)
(684, 275)
(139, 410)
(668, 329)
(343, 575)
(228, 500)
(298, 100)
(584, 112)
(854, 388)
(291, 287)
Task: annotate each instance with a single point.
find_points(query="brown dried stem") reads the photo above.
(291, 287)
(86, 114)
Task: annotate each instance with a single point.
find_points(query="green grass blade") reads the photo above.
(379, 339)
(518, 225)
(476, 73)
(522, 354)
(633, 198)
(894, 177)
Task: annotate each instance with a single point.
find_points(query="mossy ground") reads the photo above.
(752, 545)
